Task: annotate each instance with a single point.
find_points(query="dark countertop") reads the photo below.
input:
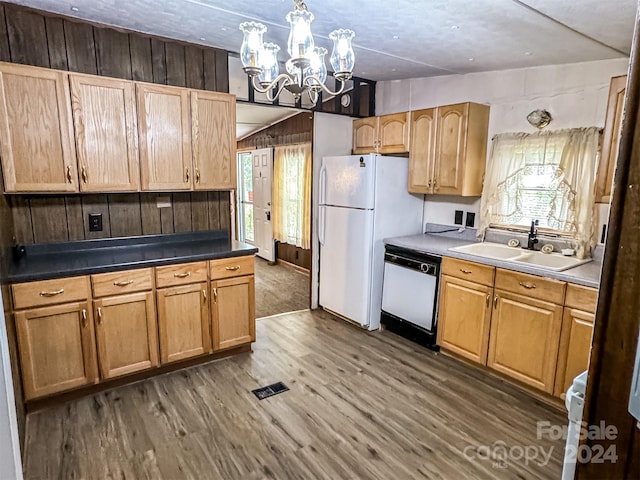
(56, 260)
(587, 274)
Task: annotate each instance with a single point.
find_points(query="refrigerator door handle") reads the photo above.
(322, 219)
(323, 185)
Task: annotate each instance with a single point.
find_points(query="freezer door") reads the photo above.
(348, 181)
(345, 262)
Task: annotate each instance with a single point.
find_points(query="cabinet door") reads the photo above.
(38, 153)
(575, 348)
(450, 149)
(234, 319)
(105, 130)
(610, 139)
(126, 333)
(165, 138)
(524, 339)
(464, 318)
(422, 151)
(213, 127)
(57, 349)
(365, 135)
(393, 133)
(183, 320)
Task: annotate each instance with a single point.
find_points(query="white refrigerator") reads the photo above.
(362, 200)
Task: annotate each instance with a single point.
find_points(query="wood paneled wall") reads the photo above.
(31, 38)
(59, 218)
(294, 255)
(296, 129)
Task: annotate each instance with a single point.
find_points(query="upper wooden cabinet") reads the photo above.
(38, 153)
(610, 139)
(105, 131)
(448, 149)
(384, 134)
(165, 137)
(213, 127)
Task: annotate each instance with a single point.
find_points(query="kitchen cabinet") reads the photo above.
(576, 335)
(104, 118)
(448, 150)
(466, 290)
(183, 311)
(386, 134)
(55, 335)
(126, 330)
(610, 139)
(36, 131)
(233, 297)
(165, 137)
(525, 328)
(213, 127)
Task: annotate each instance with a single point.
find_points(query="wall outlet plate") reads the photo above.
(95, 222)
(458, 217)
(471, 219)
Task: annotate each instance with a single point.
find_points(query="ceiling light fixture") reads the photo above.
(306, 69)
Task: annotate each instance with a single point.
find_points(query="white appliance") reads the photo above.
(574, 401)
(362, 199)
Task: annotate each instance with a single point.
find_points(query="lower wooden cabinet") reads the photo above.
(183, 321)
(524, 339)
(126, 333)
(233, 312)
(57, 350)
(465, 318)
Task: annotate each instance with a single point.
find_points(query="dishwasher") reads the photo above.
(410, 294)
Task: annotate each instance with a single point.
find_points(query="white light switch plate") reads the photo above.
(164, 201)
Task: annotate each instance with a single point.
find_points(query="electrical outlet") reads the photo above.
(95, 222)
(458, 217)
(471, 219)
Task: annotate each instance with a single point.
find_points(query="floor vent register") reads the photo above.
(270, 390)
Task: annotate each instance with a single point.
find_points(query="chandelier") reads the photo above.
(306, 69)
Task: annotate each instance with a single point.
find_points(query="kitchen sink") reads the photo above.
(547, 261)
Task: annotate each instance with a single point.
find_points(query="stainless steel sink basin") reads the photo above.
(546, 261)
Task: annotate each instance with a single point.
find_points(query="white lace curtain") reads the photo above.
(550, 174)
(292, 195)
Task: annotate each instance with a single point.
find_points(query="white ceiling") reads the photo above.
(435, 37)
(251, 118)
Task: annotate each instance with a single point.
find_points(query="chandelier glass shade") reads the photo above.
(306, 70)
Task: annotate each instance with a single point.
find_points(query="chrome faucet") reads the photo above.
(533, 232)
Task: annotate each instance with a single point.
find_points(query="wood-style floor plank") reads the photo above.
(367, 405)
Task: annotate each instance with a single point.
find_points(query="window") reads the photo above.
(546, 176)
(246, 196)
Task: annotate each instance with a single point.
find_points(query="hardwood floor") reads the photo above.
(279, 289)
(361, 406)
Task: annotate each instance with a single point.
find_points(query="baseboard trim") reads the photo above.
(284, 263)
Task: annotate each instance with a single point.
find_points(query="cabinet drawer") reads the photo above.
(116, 283)
(581, 298)
(473, 272)
(231, 267)
(182, 274)
(50, 292)
(531, 285)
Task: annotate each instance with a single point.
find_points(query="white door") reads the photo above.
(348, 181)
(262, 161)
(345, 261)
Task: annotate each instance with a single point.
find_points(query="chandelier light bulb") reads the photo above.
(269, 63)
(251, 46)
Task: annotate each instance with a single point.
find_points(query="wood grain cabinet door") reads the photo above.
(184, 326)
(422, 150)
(164, 132)
(127, 334)
(57, 348)
(393, 133)
(464, 318)
(38, 153)
(524, 339)
(575, 348)
(450, 149)
(105, 132)
(213, 127)
(365, 135)
(234, 318)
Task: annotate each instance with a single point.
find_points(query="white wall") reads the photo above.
(10, 466)
(331, 136)
(575, 95)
